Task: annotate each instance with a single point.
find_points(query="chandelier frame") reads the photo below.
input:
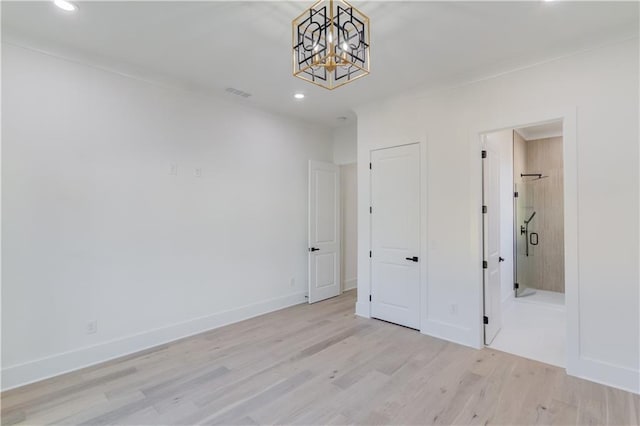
(331, 44)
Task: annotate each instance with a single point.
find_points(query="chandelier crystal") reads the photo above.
(331, 44)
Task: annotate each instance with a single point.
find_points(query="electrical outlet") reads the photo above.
(198, 172)
(173, 169)
(92, 327)
(453, 309)
(292, 283)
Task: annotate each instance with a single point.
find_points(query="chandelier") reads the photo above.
(331, 44)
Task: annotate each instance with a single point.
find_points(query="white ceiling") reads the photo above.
(209, 46)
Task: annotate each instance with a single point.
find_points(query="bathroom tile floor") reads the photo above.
(534, 327)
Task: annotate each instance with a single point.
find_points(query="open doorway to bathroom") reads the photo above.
(523, 236)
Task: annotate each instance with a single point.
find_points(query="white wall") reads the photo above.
(349, 206)
(503, 142)
(598, 90)
(345, 143)
(96, 228)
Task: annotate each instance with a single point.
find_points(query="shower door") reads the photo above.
(525, 237)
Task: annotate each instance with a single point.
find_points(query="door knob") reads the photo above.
(413, 259)
(314, 249)
(500, 259)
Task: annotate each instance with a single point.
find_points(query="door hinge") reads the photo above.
(369, 253)
(484, 154)
(370, 210)
(485, 265)
(485, 319)
(370, 166)
(515, 194)
(516, 286)
(369, 298)
(484, 209)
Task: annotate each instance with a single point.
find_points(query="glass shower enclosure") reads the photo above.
(525, 236)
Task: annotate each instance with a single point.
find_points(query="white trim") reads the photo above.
(350, 284)
(40, 369)
(607, 374)
(363, 308)
(446, 331)
(539, 135)
(424, 230)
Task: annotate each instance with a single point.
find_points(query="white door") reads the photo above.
(395, 235)
(324, 231)
(491, 241)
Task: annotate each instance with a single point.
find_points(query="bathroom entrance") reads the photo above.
(523, 230)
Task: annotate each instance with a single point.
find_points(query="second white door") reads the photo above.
(491, 240)
(324, 231)
(395, 235)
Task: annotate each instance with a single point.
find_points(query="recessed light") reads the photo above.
(65, 5)
(299, 96)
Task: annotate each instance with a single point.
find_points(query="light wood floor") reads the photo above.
(318, 364)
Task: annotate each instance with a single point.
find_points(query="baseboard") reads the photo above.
(450, 332)
(350, 284)
(363, 309)
(607, 374)
(33, 371)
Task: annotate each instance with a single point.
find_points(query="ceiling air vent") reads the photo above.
(238, 92)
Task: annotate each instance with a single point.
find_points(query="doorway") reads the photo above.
(523, 242)
(332, 230)
(395, 235)
(349, 207)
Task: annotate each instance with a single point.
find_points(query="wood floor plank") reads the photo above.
(592, 405)
(64, 391)
(560, 413)
(318, 364)
(13, 417)
(279, 390)
(326, 366)
(97, 409)
(619, 407)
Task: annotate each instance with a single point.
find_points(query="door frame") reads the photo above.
(363, 304)
(570, 196)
